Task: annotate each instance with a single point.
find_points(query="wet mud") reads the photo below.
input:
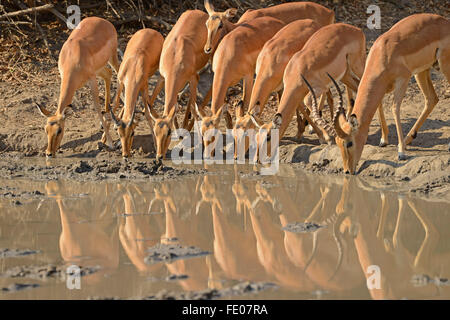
(172, 252)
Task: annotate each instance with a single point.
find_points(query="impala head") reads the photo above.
(208, 126)
(54, 129)
(125, 130)
(244, 122)
(162, 132)
(264, 135)
(344, 130)
(215, 24)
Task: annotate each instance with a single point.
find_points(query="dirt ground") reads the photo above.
(29, 75)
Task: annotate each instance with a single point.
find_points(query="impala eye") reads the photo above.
(169, 132)
(59, 131)
(349, 144)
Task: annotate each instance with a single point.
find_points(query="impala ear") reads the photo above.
(230, 13)
(221, 111)
(256, 110)
(209, 7)
(66, 112)
(43, 111)
(353, 122)
(252, 117)
(277, 121)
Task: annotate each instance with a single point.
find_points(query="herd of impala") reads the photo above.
(295, 49)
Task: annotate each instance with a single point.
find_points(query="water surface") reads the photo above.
(239, 217)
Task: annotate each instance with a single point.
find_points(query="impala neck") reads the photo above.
(370, 95)
(227, 28)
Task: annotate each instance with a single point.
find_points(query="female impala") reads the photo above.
(140, 62)
(182, 58)
(410, 47)
(270, 66)
(83, 56)
(339, 49)
(218, 24)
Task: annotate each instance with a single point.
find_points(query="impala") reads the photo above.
(235, 59)
(140, 62)
(85, 55)
(339, 49)
(218, 23)
(270, 66)
(411, 47)
(182, 58)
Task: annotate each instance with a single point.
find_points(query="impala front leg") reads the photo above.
(102, 117)
(384, 128)
(399, 93)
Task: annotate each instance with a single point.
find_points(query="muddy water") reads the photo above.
(313, 237)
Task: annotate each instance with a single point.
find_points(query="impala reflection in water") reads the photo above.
(245, 224)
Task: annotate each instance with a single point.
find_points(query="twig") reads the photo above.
(15, 22)
(109, 4)
(27, 11)
(41, 31)
(147, 18)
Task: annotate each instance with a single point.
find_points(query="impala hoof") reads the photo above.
(383, 143)
(118, 144)
(402, 156)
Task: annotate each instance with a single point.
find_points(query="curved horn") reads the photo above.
(340, 108)
(339, 111)
(116, 122)
(315, 112)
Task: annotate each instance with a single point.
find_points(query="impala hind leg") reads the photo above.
(104, 122)
(399, 94)
(426, 86)
(193, 83)
(158, 88)
(106, 74)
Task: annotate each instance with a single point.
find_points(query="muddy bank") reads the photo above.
(241, 289)
(44, 272)
(423, 174)
(171, 252)
(13, 253)
(85, 170)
